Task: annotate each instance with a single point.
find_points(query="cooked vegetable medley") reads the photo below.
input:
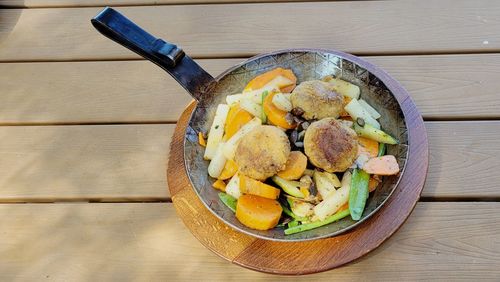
(296, 156)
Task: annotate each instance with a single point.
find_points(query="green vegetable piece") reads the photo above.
(264, 117)
(290, 187)
(293, 223)
(358, 193)
(288, 212)
(228, 200)
(371, 132)
(381, 150)
(316, 224)
(280, 225)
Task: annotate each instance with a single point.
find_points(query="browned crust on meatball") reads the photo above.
(317, 99)
(262, 152)
(331, 145)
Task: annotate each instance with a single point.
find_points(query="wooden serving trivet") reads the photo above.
(297, 258)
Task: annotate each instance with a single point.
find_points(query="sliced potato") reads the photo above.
(346, 178)
(344, 88)
(281, 102)
(233, 99)
(218, 162)
(250, 106)
(216, 131)
(370, 109)
(301, 208)
(324, 185)
(233, 186)
(332, 204)
(332, 177)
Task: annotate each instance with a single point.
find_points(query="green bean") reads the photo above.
(358, 193)
(381, 149)
(228, 200)
(316, 224)
(293, 223)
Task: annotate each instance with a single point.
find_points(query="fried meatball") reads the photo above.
(262, 152)
(317, 99)
(330, 145)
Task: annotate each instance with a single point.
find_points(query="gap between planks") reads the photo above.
(431, 119)
(168, 200)
(245, 56)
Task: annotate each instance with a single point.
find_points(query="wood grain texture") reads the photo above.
(144, 242)
(447, 86)
(115, 162)
(374, 27)
(318, 255)
(461, 157)
(47, 163)
(117, 3)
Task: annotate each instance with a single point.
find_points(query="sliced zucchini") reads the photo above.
(373, 133)
(290, 187)
(356, 111)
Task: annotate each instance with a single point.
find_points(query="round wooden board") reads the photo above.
(297, 258)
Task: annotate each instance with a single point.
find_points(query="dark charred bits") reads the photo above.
(290, 118)
(303, 125)
(360, 122)
(298, 112)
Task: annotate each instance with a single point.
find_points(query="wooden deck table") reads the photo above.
(85, 127)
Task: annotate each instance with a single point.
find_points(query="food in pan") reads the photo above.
(296, 157)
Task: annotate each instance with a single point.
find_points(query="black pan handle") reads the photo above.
(168, 56)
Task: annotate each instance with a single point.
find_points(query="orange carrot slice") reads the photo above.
(202, 140)
(236, 118)
(230, 169)
(385, 165)
(275, 115)
(343, 207)
(219, 185)
(295, 166)
(371, 146)
(258, 212)
(372, 184)
(255, 187)
(262, 79)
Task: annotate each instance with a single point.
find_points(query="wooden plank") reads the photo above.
(117, 3)
(82, 242)
(44, 163)
(373, 27)
(461, 154)
(128, 162)
(445, 86)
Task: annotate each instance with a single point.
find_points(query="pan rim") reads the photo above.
(396, 90)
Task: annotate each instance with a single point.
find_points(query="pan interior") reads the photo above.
(307, 65)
